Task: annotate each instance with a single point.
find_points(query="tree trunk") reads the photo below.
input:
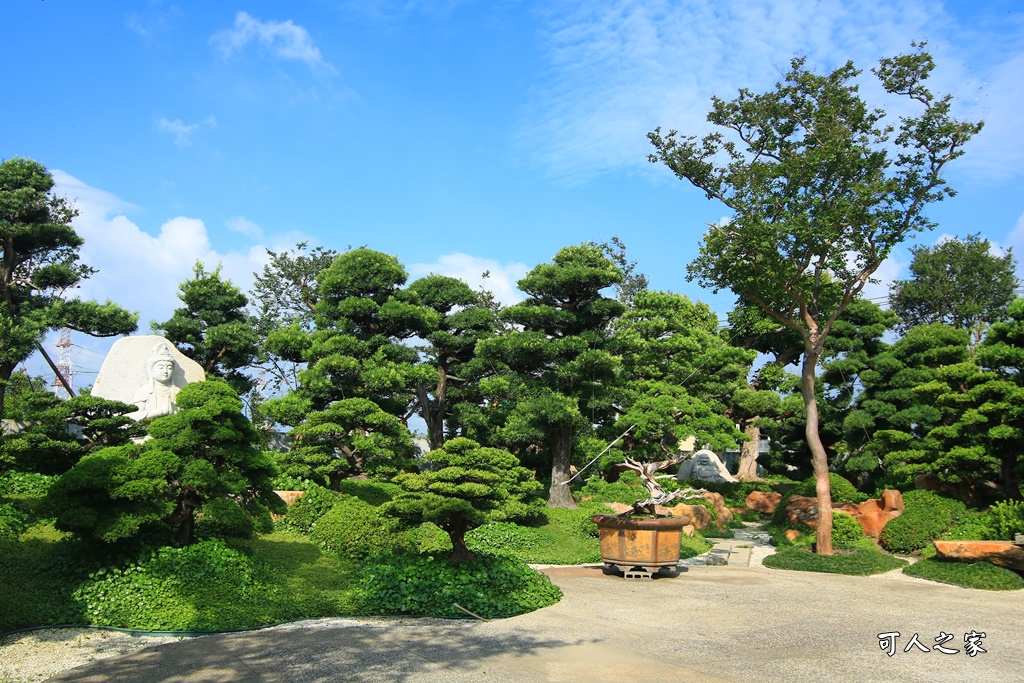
(561, 461)
(819, 459)
(460, 552)
(749, 451)
(433, 414)
(6, 370)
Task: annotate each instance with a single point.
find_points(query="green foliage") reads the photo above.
(206, 586)
(204, 452)
(350, 437)
(373, 492)
(846, 531)
(555, 376)
(969, 575)
(13, 520)
(467, 485)
(56, 434)
(223, 518)
(956, 282)
(926, 516)
(355, 530)
(213, 328)
(491, 586)
(304, 513)
(25, 483)
(1007, 519)
(209, 585)
(627, 489)
(41, 264)
(842, 490)
(857, 562)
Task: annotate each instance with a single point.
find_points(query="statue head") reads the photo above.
(160, 364)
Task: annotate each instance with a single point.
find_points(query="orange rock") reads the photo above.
(290, 497)
(792, 534)
(698, 514)
(802, 510)
(688, 530)
(763, 501)
(1003, 553)
(724, 514)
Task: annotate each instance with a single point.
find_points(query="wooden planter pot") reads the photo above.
(639, 547)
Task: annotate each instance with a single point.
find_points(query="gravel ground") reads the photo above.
(37, 655)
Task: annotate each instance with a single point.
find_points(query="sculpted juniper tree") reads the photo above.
(820, 193)
(38, 266)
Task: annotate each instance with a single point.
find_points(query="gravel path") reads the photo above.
(37, 655)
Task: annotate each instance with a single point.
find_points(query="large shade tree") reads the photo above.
(39, 266)
(819, 193)
(957, 282)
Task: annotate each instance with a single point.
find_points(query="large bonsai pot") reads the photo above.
(629, 543)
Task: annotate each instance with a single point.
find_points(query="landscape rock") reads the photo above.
(724, 513)
(688, 530)
(802, 510)
(698, 514)
(1003, 553)
(792, 534)
(763, 501)
(873, 514)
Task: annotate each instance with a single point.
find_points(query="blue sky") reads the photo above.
(460, 136)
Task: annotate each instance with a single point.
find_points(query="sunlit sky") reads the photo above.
(458, 136)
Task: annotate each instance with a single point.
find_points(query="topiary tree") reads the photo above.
(203, 453)
(351, 437)
(467, 486)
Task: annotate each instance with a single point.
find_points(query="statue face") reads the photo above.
(162, 370)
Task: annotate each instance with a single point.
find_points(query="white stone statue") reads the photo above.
(147, 371)
(704, 465)
(158, 395)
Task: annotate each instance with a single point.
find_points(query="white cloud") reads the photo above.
(182, 131)
(618, 69)
(501, 281)
(245, 226)
(284, 39)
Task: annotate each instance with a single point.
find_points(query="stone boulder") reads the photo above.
(724, 513)
(1003, 553)
(763, 501)
(792, 534)
(619, 508)
(872, 514)
(698, 514)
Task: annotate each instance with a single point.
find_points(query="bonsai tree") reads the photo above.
(467, 486)
(649, 477)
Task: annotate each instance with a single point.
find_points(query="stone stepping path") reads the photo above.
(735, 551)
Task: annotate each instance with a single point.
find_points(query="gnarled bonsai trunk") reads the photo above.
(457, 532)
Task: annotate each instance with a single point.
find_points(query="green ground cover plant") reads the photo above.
(856, 562)
(981, 575)
(428, 585)
(926, 516)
